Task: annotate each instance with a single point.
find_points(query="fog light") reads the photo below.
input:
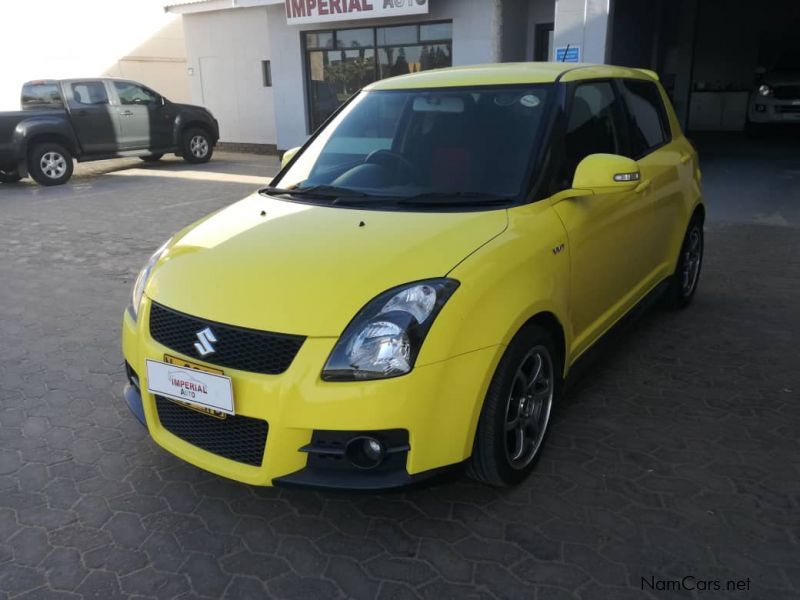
(761, 107)
(365, 452)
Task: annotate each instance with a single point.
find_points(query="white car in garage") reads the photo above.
(775, 103)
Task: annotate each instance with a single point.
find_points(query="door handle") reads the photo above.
(127, 113)
(642, 186)
(685, 158)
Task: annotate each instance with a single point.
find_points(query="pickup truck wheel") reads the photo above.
(516, 411)
(50, 164)
(9, 176)
(197, 147)
(151, 157)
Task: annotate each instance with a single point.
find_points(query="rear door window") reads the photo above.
(89, 93)
(648, 128)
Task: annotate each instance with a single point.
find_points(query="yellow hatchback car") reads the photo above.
(412, 289)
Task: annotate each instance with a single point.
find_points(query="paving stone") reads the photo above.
(91, 507)
(351, 578)
(205, 574)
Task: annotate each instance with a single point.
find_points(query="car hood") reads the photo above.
(297, 268)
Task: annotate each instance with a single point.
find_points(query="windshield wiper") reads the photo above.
(461, 198)
(315, 191)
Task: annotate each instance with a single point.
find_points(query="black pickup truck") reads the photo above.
(96, 119)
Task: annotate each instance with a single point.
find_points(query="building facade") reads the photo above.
(272, 70)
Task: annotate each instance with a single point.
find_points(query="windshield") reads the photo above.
(459, 146)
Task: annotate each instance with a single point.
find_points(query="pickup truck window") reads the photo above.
(130, 93)
(41, 95)
(91, 93)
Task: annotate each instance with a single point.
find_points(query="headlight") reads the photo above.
(385, 337)
(144, 275)
(764, 90)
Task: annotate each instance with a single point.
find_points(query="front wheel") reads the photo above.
(50, 164)
(12, 176)
(516, 412)
(684, 280)
(197, 146)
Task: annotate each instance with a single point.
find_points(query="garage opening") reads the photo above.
(713, 57)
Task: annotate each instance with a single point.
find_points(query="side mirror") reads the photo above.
(606, 173)
(288, 155)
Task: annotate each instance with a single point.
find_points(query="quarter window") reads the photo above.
(593, 125)
(91, 93)
(649, 127)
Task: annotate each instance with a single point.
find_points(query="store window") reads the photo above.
(341, 62)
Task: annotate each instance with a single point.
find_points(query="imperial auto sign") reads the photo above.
(300, 12)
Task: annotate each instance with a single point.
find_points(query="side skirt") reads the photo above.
(585, 361)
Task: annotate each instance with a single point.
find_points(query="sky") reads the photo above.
(79, 38)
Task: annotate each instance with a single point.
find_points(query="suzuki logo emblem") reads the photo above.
(206, 337)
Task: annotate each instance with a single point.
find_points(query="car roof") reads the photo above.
(508, 73)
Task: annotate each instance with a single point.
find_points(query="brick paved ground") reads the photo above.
(676, 454)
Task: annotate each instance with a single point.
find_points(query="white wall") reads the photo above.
(475, 41)
(539, 12)
(583, 23)
(56, 39)
(225, 49)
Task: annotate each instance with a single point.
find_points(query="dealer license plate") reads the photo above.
(194, 386)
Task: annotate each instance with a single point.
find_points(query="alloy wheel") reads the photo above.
(528, 407)
(692, 257)
(198, 146)
(53, 164)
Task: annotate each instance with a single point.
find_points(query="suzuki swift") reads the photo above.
(412, 289)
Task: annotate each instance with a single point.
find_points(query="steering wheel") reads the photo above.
(391, 161)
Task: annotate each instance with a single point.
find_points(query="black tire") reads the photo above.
(196, 146)
(50, 164)
(683, 283)
(152, 157)
(9, 176)
(493, 451)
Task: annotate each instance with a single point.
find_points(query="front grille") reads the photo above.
(786, 92)
(235, 347)
(788, 109)
(236, 437)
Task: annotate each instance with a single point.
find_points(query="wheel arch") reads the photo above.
(182, 128)
(699, 212)
(550, 323)
(52, 138)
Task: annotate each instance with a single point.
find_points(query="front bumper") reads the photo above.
(437, 405)
(769, 110)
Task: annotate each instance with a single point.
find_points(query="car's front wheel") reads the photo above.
(9, 176)
(516, 412)
(50, 164)
(197, 146)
